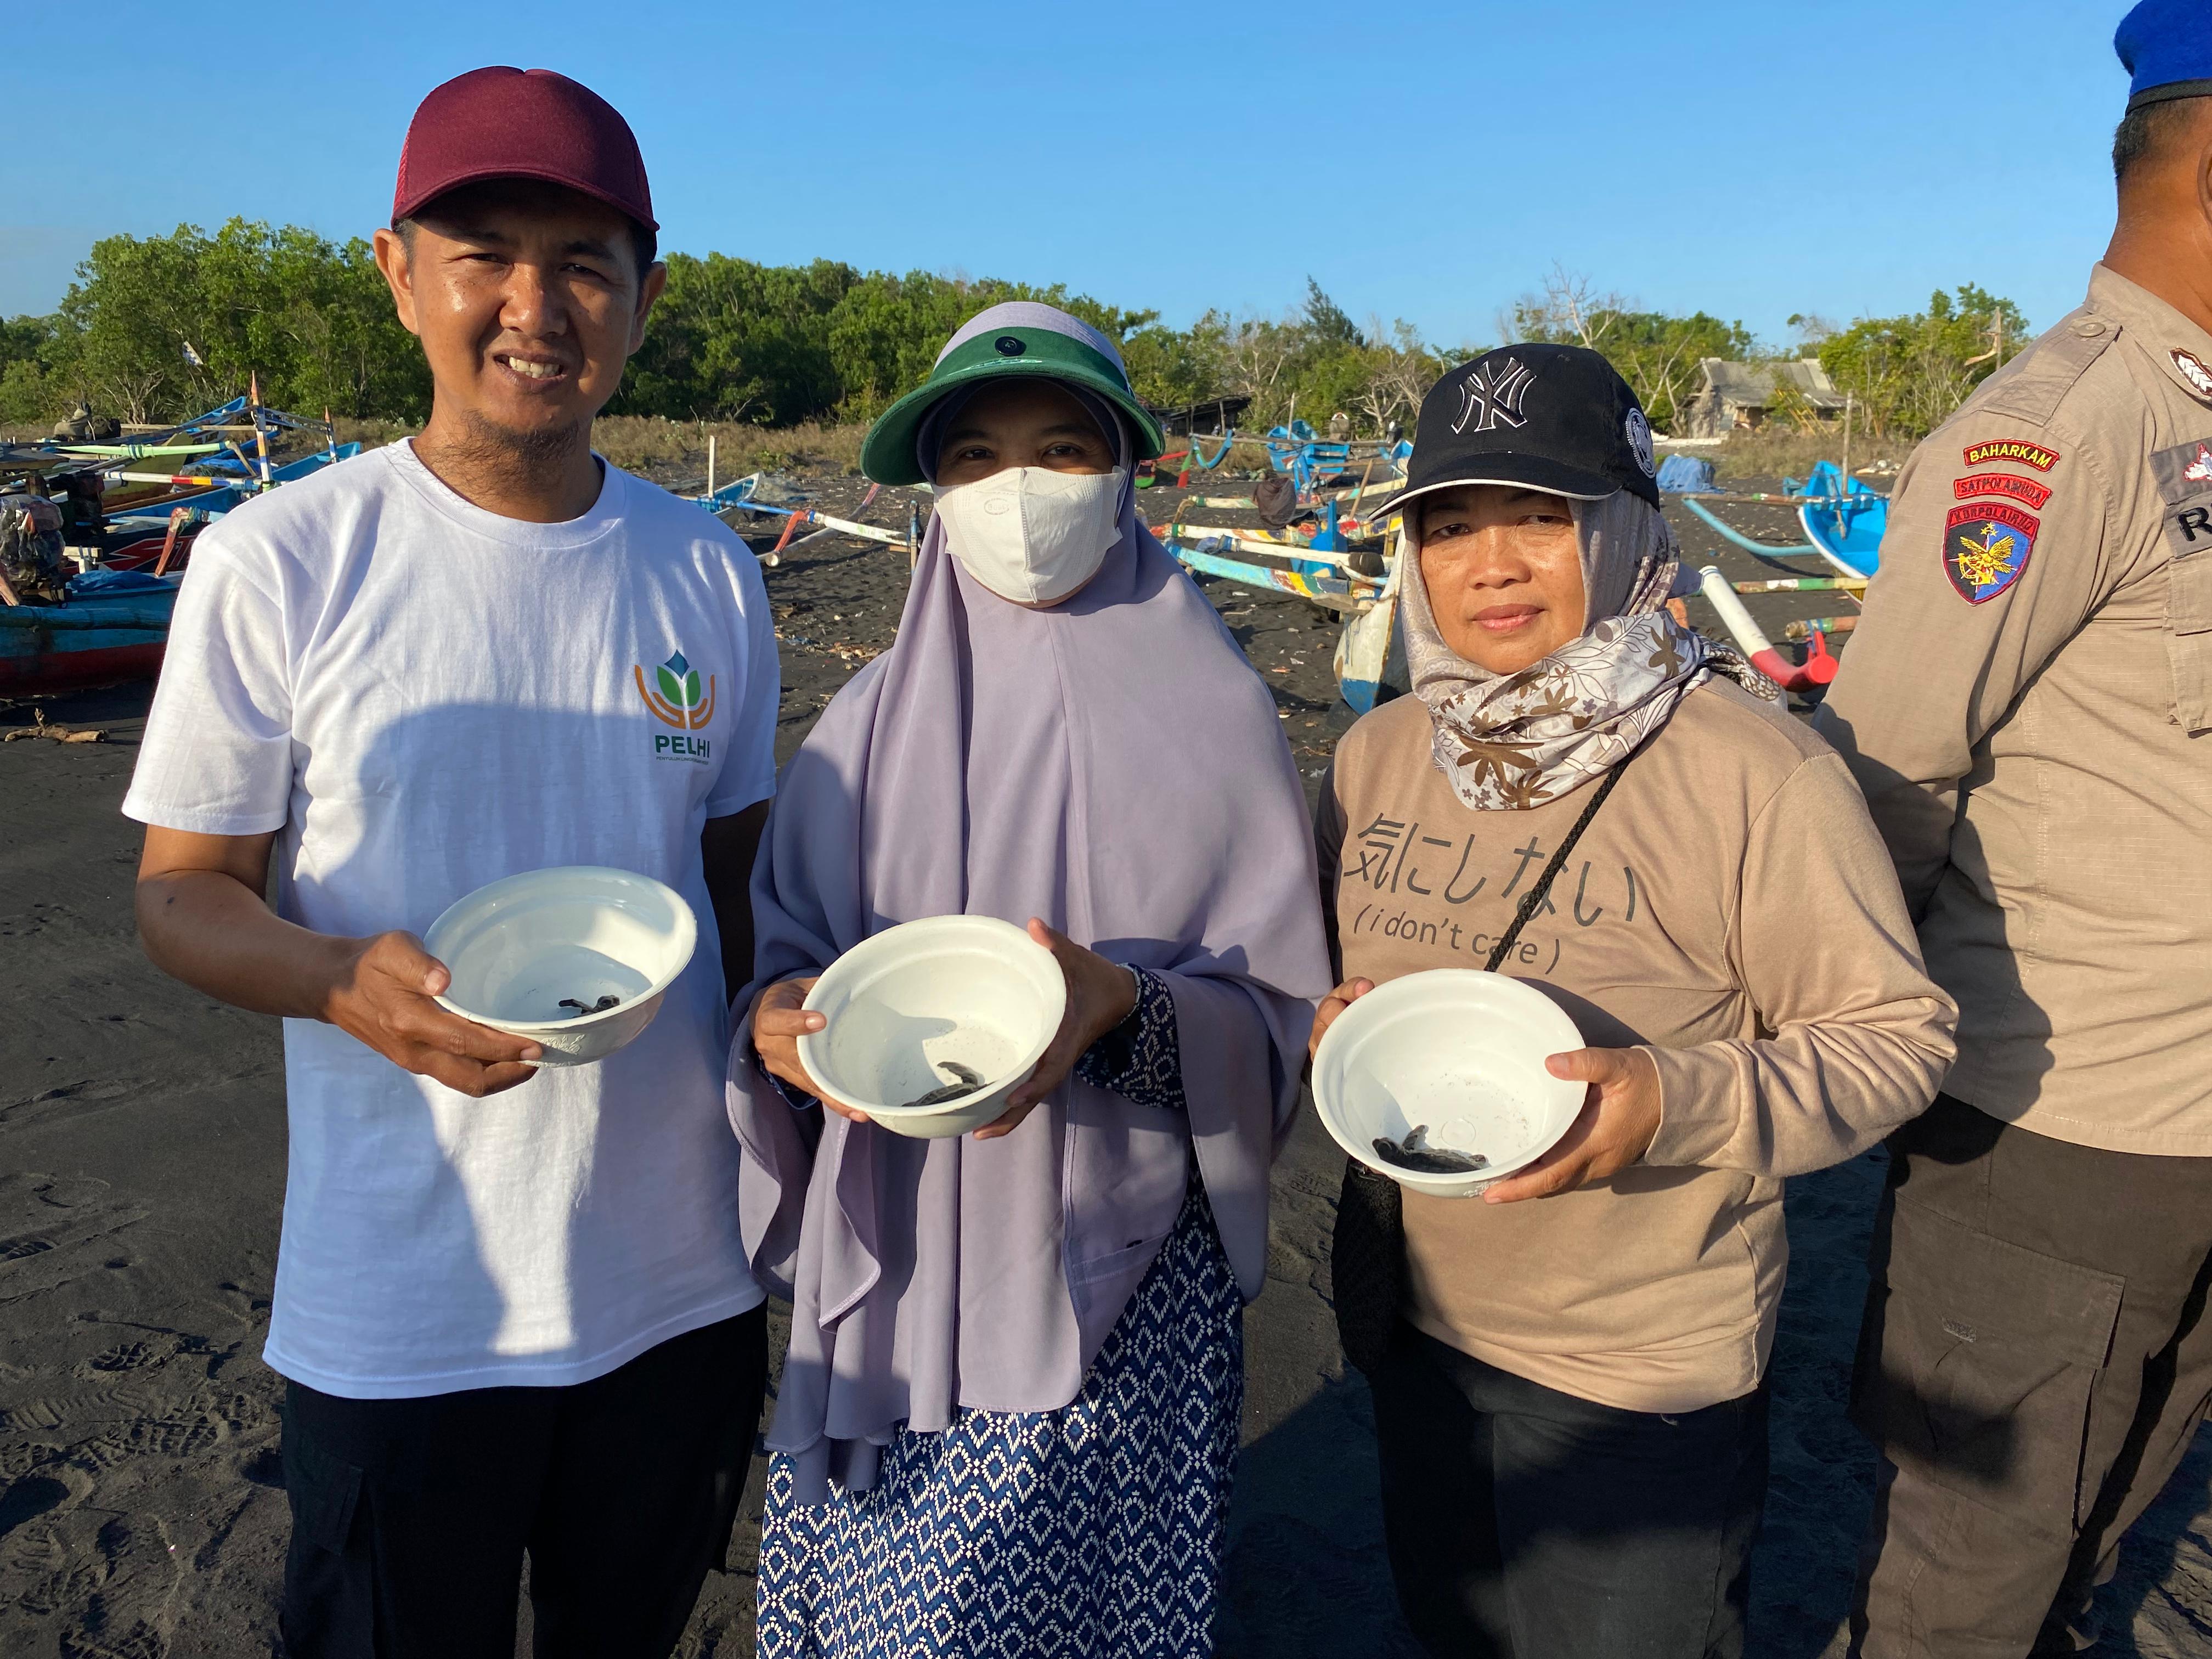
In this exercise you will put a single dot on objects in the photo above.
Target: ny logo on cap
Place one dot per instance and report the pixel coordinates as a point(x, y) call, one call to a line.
point(1491, 398)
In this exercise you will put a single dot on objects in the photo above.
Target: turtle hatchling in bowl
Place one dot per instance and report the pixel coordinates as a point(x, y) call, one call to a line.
point(576, 959)
point(932, 1023)
point(1438, 1079)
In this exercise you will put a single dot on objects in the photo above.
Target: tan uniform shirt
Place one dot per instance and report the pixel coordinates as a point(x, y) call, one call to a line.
point(2027, 705)
point(1731, 907)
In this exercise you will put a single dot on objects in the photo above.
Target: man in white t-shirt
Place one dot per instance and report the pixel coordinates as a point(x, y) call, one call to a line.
point(512, 1305)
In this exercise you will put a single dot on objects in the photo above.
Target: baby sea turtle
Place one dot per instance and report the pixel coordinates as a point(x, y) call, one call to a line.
point(1415, 1154)
point(970, 1080)
point(598, 1007)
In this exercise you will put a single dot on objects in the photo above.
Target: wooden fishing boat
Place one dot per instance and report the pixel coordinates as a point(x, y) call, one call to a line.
point(1844, 520)
point(1346, 565)
point(115, 626)
point(96, 640)
point(1310, 461)
point(165, 554)
point(211, 494)
point(1370, 651)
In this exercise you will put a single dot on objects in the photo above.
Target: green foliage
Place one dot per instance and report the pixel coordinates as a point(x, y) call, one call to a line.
point(28, 395)
point(1656, 352)
point(778, 346)
point(1790, 409)
point(735, 341)
point(1313, 364)
point(1326, 323)
point(1171, 367)
point(312, 319)
point(888, 330)
point(1907, 373)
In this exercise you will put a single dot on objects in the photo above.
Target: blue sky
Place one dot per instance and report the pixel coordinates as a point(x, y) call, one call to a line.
point(1423, 162)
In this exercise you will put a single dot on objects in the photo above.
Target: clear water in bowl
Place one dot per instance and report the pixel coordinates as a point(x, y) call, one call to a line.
point(575, 972)
point(1466, 1111)
point(893, 1058)
point(982, 1050)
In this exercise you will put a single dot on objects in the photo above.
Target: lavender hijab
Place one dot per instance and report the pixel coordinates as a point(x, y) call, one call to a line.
point(1114, 766)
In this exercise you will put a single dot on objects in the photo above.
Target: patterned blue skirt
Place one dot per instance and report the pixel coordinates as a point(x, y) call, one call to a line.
point(1093, 1530)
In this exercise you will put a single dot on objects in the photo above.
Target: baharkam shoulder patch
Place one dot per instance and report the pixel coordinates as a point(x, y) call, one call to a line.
point(2039, 456)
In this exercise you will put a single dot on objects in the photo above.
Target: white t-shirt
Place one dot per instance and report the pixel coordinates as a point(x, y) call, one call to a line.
point(423, 696)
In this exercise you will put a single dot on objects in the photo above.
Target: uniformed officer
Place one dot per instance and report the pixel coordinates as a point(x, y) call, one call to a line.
point(2028, 705)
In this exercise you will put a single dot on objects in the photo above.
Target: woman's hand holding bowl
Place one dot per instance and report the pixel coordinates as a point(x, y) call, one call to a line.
point(1100, 994)
point(1331, 1005)
point(1614, 1129)
point(779, 1021)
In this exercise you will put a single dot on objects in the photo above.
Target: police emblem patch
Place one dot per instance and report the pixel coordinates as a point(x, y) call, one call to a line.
point(1986, 547)
point(2192, 370)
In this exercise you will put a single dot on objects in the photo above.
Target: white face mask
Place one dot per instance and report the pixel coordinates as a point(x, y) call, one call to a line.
point(1032, 535)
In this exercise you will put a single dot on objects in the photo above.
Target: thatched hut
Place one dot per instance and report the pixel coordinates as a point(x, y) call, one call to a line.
point(1734, 396)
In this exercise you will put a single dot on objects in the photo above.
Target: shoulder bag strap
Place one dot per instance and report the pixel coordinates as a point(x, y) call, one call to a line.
point(1534, 896)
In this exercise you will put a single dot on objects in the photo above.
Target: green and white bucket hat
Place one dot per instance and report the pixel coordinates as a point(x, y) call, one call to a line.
point(1019, 337)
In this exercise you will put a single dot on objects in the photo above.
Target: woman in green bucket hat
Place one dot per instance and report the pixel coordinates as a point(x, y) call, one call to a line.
point(1016, 341)
point(1008, 1419)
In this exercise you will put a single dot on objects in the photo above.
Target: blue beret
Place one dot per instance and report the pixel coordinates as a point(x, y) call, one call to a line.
point(2165, 46)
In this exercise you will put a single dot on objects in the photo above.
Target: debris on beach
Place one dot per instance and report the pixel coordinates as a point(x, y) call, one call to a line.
point(39, 728)
point(1415, 1154)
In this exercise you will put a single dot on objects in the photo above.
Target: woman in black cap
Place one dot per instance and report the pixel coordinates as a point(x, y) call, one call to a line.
point(1569, 1395)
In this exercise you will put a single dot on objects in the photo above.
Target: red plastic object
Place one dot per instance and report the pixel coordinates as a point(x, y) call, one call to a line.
point(1783, 672)
point(1820, 666)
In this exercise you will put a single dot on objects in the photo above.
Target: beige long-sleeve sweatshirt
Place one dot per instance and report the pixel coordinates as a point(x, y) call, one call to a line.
point(1732, 910)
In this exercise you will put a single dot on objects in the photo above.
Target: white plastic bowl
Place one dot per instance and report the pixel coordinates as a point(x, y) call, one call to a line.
point(517, 947)
point(1459, 1050)
point(968, 988)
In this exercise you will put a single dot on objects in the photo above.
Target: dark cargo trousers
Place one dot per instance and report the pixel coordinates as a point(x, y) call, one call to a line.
point(2035, 1364)
point(410, 1518)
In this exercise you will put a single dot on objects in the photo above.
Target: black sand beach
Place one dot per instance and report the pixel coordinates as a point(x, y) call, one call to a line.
point(142, 1168)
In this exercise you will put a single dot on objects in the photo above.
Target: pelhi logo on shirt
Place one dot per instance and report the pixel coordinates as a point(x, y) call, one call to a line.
point(678, 701)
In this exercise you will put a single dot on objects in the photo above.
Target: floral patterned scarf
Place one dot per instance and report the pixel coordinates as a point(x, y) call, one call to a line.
point(1518, 740)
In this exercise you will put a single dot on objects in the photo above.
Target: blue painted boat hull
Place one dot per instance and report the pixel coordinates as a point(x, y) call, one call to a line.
point(62, 648)
point(1848, 532)
point(1370, 656)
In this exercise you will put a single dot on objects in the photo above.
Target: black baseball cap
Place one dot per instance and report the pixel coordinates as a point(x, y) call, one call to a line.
point(1556, 418)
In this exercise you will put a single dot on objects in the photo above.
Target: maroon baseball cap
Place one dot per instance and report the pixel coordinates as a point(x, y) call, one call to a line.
point(503, 122)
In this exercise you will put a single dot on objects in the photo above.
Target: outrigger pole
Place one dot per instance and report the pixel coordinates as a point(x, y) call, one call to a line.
point(1817, 669)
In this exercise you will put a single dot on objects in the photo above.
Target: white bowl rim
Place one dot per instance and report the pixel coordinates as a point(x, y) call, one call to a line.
point(1018, 1071)
point(688, 932)
point(1366, 1154)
